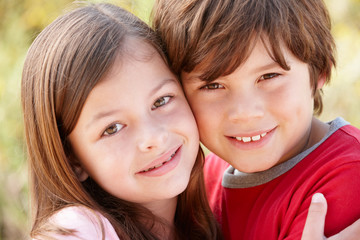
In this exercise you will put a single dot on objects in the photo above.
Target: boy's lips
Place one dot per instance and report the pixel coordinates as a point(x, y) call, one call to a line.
point(163, 159)
point(252, 138)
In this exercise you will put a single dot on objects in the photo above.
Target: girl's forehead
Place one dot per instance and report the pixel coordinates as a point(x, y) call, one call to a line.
point(137, 48)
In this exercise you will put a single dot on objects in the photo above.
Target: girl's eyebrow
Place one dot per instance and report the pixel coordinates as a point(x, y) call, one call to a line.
point(101, 115)
point(157, 87)
point(161, 84)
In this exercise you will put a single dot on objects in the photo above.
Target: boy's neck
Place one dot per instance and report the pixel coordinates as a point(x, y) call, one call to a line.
point(317, 132)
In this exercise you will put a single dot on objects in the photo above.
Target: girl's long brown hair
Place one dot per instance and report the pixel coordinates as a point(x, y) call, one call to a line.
point(62, 66)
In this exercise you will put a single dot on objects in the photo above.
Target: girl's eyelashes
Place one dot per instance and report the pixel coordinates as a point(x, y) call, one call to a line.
point(269, 76)
point(112, 129)
point(161, 102)
point(116, 127)
point(212, 86)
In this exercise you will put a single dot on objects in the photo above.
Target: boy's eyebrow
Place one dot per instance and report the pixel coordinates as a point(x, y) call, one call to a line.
point(266, 67)
point(193, 78)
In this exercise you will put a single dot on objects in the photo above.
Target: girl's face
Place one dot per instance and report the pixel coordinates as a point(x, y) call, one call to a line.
point(136, 135)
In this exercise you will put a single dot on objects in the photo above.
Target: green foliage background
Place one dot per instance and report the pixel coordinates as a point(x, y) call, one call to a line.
point(22, 20)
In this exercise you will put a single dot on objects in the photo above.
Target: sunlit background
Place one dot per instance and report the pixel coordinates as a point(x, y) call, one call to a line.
point(22, 20)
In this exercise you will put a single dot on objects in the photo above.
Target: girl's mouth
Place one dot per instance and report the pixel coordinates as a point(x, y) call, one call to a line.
point(162, 163)
point(159, 165)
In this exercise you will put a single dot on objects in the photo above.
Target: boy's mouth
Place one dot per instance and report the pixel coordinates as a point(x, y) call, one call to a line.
point(251, 139)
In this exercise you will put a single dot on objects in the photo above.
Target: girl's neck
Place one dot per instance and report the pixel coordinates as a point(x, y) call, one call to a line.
point(165, 210)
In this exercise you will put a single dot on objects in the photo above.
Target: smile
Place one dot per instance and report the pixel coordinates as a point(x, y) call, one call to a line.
point(251, 139)
point(160, 164)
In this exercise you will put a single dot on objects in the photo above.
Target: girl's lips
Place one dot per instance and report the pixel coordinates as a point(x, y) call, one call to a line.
point(163, 164)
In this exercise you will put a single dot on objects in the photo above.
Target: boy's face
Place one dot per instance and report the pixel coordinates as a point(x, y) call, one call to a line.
point(256, 117)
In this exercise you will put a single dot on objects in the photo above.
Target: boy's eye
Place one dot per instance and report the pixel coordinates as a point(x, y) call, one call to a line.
point(269, 76)
point(113, 129)
point(212, 86)
point(161, 102)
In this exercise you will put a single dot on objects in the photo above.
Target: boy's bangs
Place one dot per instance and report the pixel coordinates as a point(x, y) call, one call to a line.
point(274, 46)
point(222, 61)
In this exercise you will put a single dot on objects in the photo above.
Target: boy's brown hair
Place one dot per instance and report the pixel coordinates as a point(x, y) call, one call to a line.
point(218, 35)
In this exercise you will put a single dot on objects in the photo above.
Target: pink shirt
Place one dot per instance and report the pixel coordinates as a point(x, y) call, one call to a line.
point(85, 222)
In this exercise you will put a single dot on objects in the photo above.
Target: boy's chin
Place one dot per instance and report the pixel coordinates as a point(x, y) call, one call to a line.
point(252, 169)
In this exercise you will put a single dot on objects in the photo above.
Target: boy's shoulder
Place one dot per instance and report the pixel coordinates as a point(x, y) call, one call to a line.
point(352, 132)
point(339, 146)
point(84, 222)
point(343, 135)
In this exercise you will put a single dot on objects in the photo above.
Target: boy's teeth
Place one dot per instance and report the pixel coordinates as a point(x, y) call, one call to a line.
point(256, 138)
point(249, 139)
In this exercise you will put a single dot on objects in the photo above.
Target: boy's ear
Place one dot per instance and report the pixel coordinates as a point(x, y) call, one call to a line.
point(80, 172)
point(321, 81)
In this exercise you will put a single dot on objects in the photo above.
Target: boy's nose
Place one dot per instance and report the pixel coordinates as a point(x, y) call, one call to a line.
point(151, 136)
point(245, 108)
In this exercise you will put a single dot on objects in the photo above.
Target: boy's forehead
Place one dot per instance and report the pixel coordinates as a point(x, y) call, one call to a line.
point(261, 49)
point(190, 77)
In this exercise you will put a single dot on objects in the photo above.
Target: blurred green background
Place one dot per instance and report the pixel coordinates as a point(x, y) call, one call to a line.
point(22, 20)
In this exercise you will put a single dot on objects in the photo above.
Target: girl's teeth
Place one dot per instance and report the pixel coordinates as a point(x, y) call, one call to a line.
point(246, 139)
point(263, 134)
point(160, 164)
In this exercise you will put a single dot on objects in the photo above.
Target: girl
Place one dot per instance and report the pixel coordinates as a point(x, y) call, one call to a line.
point(112, 142)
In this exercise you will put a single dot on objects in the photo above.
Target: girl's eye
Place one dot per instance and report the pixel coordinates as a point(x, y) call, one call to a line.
point(113, 129)
point(161, 102)
point(212, 86)
point(269, 76)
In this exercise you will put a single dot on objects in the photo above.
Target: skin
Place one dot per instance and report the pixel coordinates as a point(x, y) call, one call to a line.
point(136, 118)
point(258, 116)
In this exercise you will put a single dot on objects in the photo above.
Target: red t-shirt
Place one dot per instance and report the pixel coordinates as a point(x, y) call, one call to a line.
point(274, 204)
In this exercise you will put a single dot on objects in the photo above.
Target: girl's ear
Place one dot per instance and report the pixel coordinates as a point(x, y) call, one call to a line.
point(321, 81)
point(80, 173)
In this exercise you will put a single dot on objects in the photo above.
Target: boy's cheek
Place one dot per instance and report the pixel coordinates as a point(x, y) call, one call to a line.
point(207, 123)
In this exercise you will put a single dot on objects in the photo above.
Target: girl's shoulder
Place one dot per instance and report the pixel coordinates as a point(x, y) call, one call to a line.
point(82, 223)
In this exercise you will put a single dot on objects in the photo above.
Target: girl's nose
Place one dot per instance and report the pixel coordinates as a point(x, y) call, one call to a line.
point(152, 136)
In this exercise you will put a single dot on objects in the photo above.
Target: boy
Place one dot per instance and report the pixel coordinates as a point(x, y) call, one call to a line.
point(252, 71)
